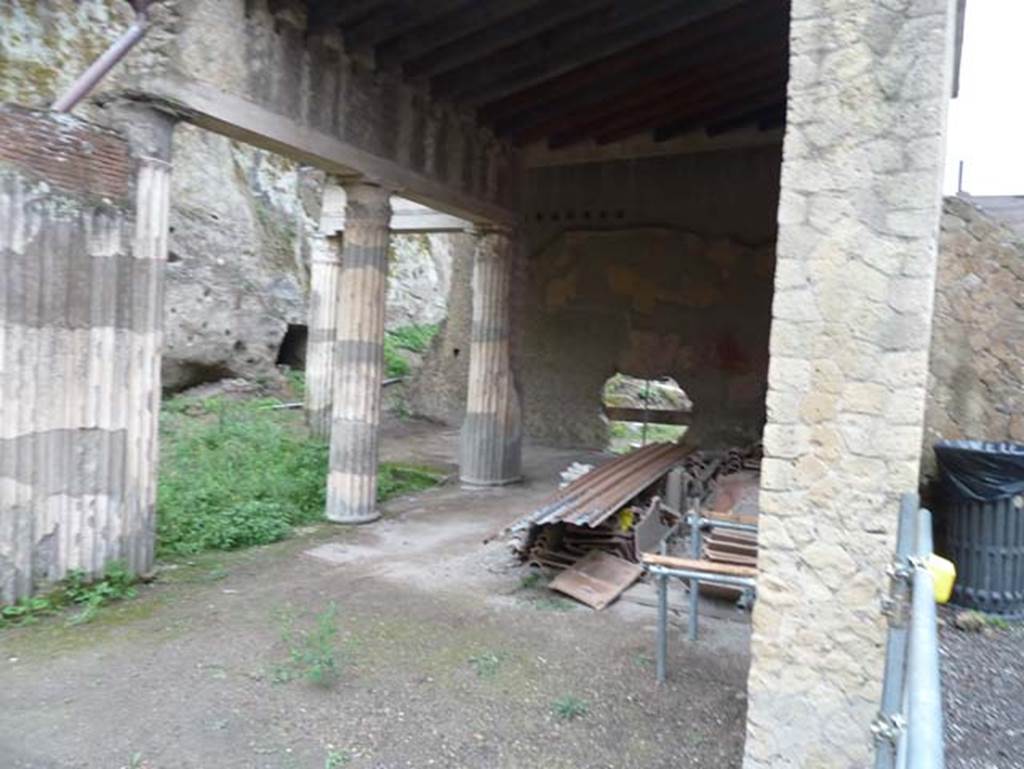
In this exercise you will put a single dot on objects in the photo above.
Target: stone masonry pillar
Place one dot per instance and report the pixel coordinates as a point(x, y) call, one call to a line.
point(491, 440)
point(359, 351)
point(323, 325)
point(83, 243)
point(856, 254)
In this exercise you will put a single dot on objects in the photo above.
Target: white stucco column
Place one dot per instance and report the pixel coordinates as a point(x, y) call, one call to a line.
point(325, 275)
point(856, 255)
point(359, 356)
point(491, 439)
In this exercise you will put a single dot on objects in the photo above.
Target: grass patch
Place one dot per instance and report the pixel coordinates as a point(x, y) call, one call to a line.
point(569, 708)
point(313, 653)
point(236, 473)
point(76, 591)
point(414, 338)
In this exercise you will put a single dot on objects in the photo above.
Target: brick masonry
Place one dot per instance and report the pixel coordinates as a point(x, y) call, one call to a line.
point(856, 257)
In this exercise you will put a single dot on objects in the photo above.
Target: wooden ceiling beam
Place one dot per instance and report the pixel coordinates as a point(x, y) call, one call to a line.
point(749, 117)
point(395, 20)
point(517, 30)
point(771, 94)
point(684, 96)
point(708, 106)
point(699, 65)
point(693, 84)
point(657, 54)
point(471, 20)
point(568, 47)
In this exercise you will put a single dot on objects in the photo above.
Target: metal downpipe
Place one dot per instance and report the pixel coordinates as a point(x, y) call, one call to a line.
point(83, 86)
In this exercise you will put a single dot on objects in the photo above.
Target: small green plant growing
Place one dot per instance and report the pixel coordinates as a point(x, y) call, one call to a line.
point(532, 580)
point(75, 590)
point(569, 708)
point(337, 759)
point(486, 664)
point(313, 653)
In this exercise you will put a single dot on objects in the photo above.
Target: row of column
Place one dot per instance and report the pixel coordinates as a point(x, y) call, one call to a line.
point(345, 358)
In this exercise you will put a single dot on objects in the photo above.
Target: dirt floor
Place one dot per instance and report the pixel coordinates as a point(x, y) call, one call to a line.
point(983, 695)
point(446, 659)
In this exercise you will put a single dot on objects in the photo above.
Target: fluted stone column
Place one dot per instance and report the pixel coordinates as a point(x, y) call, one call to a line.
point(323, 323)
point(856, 256)
point(83, 242)
point(491, 440)
point(359, 351)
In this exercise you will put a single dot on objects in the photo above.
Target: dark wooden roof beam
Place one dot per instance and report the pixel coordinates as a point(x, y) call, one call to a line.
point(696, 73)
point(687, 97)
point(441, 30)
point(713, 106)
point(570, 46)
point(671, 127)
point(757, 116)
point(645, 58)
point(394, 21)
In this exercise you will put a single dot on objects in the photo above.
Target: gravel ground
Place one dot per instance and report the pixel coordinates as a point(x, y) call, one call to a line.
point(983, 695)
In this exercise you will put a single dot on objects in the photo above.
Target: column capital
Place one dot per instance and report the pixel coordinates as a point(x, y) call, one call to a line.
point(366, 202)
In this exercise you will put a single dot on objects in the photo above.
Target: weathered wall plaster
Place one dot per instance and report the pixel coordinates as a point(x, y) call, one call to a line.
point(82, 246)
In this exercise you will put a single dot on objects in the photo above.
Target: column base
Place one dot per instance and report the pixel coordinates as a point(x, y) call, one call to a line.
point(355, 520)
point(479, 483)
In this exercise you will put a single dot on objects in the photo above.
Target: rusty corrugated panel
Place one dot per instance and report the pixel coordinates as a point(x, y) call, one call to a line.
point(594, 497)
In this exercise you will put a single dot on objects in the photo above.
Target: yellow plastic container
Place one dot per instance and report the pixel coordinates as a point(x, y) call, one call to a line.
point(943, 576)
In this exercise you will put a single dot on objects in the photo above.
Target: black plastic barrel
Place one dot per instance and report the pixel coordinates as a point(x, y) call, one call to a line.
point(982, 507)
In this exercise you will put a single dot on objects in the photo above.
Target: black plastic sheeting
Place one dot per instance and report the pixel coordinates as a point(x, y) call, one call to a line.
point(981, 471)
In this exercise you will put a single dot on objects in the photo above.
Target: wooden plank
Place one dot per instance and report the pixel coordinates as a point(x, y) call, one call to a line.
point(652, 416)
point(672, 562)
point(597, 579)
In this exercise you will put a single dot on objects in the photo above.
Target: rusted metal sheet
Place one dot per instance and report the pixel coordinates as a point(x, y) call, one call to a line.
point(594, 497)
point(597, 579)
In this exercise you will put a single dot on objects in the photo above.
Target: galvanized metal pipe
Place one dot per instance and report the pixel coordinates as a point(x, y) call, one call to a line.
point(99, 68)
point(695, 553)
point(924, 702)
point(896, 642)
point(662, 641)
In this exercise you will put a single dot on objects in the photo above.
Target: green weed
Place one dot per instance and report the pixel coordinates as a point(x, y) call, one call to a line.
point(76, 590)
point(532, 580)
point(337, 759)
point(569, 708)
point(235, 474)
point(414, 338)
point(313, 653)
point(486, 664)
point(553, 603)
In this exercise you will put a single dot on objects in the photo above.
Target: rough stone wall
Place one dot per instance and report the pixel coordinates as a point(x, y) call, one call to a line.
point(976, 379)
point(650, 268)
point(242, 219)
point(854, 281)
point(82, 247)
point(439, 388)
